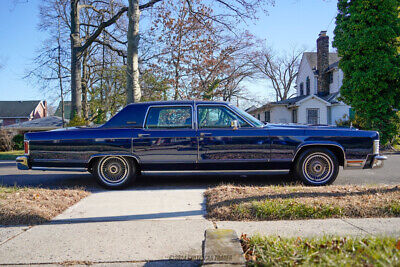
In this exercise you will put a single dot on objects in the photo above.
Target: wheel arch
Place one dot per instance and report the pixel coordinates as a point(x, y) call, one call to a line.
point(92, 160)
point(336, 149)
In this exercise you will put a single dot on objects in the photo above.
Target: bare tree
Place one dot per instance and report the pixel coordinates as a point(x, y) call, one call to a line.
point(230, 12)
point(80, 45)
point(280, 70)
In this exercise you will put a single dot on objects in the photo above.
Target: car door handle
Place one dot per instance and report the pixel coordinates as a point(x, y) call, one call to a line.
point(143, 135)
point(205, 134)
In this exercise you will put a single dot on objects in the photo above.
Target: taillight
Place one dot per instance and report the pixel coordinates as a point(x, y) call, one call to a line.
point(26, 147)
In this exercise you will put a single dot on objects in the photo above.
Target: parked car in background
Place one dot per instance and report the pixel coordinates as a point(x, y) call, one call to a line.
point(199, 136)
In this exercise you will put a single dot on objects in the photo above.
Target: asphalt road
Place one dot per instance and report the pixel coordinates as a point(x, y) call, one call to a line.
point(9, 176)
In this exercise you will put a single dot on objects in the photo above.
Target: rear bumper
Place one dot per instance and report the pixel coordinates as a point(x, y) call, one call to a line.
point(22, 163)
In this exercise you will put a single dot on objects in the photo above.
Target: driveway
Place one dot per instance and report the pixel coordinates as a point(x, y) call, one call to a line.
point(159, 220)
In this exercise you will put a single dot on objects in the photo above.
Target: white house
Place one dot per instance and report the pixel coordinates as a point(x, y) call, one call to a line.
point(318, 83)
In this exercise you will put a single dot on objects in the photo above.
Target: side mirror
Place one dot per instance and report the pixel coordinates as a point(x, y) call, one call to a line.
point(235, 124)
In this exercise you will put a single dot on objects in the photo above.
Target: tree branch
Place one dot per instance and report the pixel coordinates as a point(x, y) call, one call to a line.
point(101, 27)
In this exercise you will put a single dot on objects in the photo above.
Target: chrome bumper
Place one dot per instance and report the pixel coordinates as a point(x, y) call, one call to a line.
point(377, 161)
point(22, 163)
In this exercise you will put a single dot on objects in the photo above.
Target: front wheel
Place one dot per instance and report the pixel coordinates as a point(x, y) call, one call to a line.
point(114, 172)
point(317, 166)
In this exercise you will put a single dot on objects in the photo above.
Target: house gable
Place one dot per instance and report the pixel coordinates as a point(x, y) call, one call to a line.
point(305, 71)
point(312, 97)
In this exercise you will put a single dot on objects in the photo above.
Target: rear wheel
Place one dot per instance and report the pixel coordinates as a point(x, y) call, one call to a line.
point(317, 166)
point(114, 172)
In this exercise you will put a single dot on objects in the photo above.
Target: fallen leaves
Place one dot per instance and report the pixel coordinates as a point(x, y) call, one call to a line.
point(35, 205)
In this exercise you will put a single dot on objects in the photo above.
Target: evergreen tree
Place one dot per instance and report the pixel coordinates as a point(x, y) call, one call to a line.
point(366, 36)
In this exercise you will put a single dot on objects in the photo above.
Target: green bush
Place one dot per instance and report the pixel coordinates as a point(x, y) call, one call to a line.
point(77, 121)
point(18, 141)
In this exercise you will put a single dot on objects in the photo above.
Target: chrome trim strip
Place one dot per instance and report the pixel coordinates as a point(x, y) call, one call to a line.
point(105, 138)
point(319, 144)
point(216, 171)
point(59, 169)
point(120, 155)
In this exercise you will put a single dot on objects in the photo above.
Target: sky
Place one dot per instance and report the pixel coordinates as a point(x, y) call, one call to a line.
point(288, 24)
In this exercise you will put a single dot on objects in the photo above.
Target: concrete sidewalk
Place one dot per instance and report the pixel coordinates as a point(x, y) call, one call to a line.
point(311, 228)
point(150, 226)
point(133, 226)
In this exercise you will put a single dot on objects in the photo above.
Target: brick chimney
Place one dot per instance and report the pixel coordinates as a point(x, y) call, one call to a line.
point(323, 63)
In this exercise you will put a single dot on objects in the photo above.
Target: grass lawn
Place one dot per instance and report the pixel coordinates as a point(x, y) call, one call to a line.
point(11, 155)
point(227, 202)
point(35, 205)
point(325, 251)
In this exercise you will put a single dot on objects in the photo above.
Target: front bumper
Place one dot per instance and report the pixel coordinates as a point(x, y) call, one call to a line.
point(374, 162)
point(22, 163)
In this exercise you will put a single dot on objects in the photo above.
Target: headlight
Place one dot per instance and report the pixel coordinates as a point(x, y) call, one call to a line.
point(376, 147)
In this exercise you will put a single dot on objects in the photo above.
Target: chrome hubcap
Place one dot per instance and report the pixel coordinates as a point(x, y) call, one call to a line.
point(113, 170)
point(318, 167)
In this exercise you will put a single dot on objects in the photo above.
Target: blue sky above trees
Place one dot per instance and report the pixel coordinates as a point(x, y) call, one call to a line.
point(290, 23)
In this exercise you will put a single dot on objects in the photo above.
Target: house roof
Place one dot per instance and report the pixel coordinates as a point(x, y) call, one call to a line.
point(250, 109)
point(67, 110)
point(331, 98)
point(17, 109)
point(312, 59)
point(289, 101)
point(45, 123)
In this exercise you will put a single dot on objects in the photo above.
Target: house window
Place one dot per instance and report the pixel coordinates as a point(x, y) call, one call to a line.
point(330, 77)
point(294, 115)
point(259, 116)
point(302, 89)
point(267, 115)
point(308, 85)
point(17, 120)
point(313, 115)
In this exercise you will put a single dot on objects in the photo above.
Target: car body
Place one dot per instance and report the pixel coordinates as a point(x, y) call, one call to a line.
point(198, 136)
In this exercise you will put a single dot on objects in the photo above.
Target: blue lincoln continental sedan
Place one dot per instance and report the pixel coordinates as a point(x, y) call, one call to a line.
point(199, 136)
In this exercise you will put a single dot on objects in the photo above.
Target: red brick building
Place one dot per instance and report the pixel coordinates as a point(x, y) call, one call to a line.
point(19, 111)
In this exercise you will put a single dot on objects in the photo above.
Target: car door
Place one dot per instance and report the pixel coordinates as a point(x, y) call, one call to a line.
point(223, 147)
point(168, 139)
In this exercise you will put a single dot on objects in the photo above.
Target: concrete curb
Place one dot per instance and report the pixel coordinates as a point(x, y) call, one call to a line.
point(222, 247)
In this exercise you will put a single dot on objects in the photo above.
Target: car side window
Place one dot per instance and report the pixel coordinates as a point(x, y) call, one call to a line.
point(169, 118)
point(217, 117)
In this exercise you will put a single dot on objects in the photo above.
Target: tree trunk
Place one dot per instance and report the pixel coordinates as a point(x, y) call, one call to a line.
point(76, 89)
point(133, 91)
point(85, 80)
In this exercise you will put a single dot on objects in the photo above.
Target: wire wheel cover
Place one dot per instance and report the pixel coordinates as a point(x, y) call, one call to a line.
point(318, 167)
point(113, 170)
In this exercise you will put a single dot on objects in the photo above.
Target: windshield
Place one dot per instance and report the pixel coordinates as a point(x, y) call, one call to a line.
point(247, 116)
